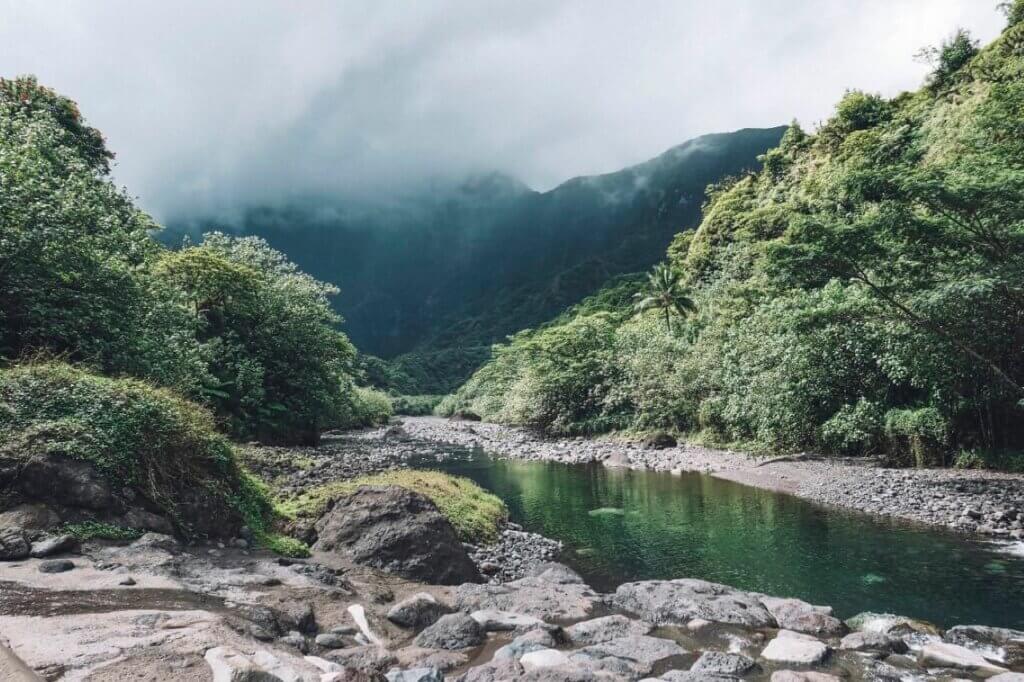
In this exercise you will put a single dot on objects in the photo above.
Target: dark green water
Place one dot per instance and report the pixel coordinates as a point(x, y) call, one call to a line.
point(656, 525)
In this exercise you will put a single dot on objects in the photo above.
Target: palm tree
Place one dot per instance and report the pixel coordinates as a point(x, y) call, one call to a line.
point(664, 290)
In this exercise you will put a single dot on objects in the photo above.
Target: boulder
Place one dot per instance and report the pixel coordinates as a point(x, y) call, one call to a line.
point(676, 602)
point(555, 572)
point(534, 640)
point(159, 541)
point(873, 642)
point(606, 628)
point(628, 657)
point(417, 611)
point(418, 657)
point(798, 615)
point(720, 663)
point(543, 658)
point(330, 640)
point(398, 531)
point(660, 441)
point(231, 665)
point(56, 566)
point(54, 545)
point(946, 655)
point(31, 518)
point(65, 481)
point(1007, 677)
point(492, 620)
point(688, 676)
point(416, 675)
point(802, 676)
point(537, 597)
point(453, 631)
point(369, 660)
point(890, 624)
point(795, 647)
point(1000, 645)
point(14, 544)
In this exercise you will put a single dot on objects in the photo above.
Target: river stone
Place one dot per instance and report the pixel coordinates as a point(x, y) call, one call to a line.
point(230, 665)
point(555, 572)
point(630, 657)
point(13, 544)
point(398, 531)
point(543, 658)
point(719, 663)
point(946, 655)
point(795, 647)
point(56, 566)
point(418, 657)
point(803, 676)
point(495, 671)
point(890, 624)
point(535, 597)
point(534, 640)
point(452, 631)
point(606, 628)
point(330, 640)
point(1001, 645)
point(54, 545)
point(798, 615)
point(503, 621)
point(1007, 677)
point(368, 659)
point(417, 611)
point(31, 518)
point(874, 642)
point(416, 675)
point(676, 602)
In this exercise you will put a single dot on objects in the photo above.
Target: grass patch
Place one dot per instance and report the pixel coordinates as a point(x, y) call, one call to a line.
point(474, 513)
point(88, 530)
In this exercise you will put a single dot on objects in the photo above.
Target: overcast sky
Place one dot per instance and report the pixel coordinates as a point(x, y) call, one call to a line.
point(215, 104)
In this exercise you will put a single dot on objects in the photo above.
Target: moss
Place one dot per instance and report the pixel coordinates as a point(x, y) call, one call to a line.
point(474, 513)
point(89, 530)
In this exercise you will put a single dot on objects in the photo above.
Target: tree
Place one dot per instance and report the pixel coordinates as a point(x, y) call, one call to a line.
point(664, 291)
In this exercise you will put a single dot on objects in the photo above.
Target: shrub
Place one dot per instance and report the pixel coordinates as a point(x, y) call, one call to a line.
point(923, 432)
point(415, 405)
point(369, 407)
point(161, 446)
point(475, 513)
point(854, 429)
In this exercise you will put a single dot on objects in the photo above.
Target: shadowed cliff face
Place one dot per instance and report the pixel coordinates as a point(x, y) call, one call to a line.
point(465, 265)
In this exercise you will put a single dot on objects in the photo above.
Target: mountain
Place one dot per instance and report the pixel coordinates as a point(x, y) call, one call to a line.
point(463, 265)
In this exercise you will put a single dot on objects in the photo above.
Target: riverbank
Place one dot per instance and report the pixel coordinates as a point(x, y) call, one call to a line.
point(989, 504)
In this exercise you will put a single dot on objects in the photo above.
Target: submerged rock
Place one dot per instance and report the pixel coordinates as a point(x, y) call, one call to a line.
point(398, 531)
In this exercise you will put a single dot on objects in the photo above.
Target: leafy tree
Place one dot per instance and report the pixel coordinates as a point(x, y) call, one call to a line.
point(665, 292)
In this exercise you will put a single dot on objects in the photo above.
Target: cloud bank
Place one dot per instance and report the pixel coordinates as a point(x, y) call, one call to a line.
point(213, 105)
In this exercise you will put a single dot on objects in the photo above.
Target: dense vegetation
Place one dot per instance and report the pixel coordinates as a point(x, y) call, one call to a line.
point(229, 323)
point(437, 274)
point(861, 294)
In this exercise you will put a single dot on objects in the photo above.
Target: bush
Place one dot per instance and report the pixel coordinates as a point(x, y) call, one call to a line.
point(854, 429)
point(923, 432)
point(368, 407)
point(475, 513)
point(998, 460)
point(415, 405)
point(136, 436)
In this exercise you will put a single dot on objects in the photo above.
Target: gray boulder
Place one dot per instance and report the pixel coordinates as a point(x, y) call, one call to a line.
point(796, 648)
point(13, 544)
point(56, 566)
point(54, 545)
point(537, 597)
point(416, 675)
point(606, 628)
point(629, 657)
point(798, 615)
point(676, 602)
point(504, 621)
point(946, 655)
point(555, 572)
point(31, 518)
point(453, 631)
point(720, 663)
point(417, 611)
point(873, 642)
point(398, 531)
point(1001, 645)
point(534, 640)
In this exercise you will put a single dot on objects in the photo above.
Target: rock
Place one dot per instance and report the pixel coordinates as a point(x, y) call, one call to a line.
point(946, 655)
point(660, 441)
point(798, 615)
point(890, 624)
point(30, 518)
point(295, 640)
point(719, 663)
point(398, 531)
point(329, 640)
point(676, 602)
point(795, 647)
point(534, 640)
point(289, 614)
point(68, 482)
point(452, 631)
point(537, 597)
point(417, 611)
point(498, 621)
point(418, 657)
point(1000, 645)
point(629, 657)
point(687, 676)
point(802, 676)
point(606, 628)
point(543, 658)
point(873, 642)
point(127, 582)
point(495, 671)
point(465, 416)
point(416, 675)
point(157, 541)
point(13, 544)
point(1007, 677)
point(230, 665)
point(56, 566)
point(369, 659)
point(554, 572)
point(54, 545)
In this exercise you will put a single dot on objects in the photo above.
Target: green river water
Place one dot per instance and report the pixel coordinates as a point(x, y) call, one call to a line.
point(620, 525)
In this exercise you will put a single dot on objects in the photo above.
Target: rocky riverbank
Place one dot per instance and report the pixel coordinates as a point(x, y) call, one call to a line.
point(988, 503)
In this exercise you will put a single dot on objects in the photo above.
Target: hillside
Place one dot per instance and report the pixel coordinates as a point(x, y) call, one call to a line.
point(861, 294)
point(462, 266)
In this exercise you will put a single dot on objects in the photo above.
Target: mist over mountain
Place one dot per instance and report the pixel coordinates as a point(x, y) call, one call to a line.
point(461, 265)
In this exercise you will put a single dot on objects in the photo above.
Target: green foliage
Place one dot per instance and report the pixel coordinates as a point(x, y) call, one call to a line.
point(475, 513)
point(665, 292)
point(859, 295)
point(368, 407)
point(950, 57)
point(415, 405)
point(135, 435)
point(88, 530)
point(999, 460)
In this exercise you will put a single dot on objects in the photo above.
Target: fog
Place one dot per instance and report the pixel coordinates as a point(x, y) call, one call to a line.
point(212, 106)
